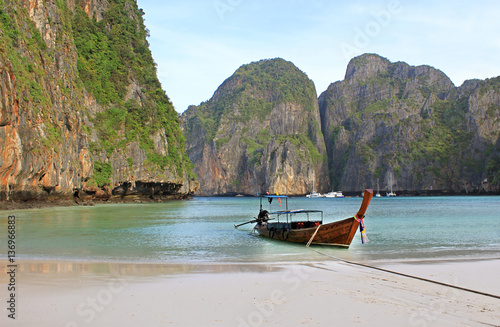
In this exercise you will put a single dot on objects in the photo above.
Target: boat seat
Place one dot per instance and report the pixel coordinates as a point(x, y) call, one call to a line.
point(305, 224)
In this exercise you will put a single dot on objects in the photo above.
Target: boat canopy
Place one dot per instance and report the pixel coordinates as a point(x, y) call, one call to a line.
point(275, 196)
point(289, 214)
point(285, 212)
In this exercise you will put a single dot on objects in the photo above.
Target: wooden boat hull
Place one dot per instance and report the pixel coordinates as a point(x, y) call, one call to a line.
point(339, 233)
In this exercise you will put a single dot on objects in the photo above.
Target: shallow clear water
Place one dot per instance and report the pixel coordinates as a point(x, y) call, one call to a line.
point(202, 230)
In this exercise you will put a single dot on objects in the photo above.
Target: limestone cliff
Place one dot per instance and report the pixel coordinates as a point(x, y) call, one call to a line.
point(81, 108)
point(390, 124)
point(260, 131)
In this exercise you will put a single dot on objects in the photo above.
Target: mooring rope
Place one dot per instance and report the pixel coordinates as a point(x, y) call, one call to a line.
point(409, 276)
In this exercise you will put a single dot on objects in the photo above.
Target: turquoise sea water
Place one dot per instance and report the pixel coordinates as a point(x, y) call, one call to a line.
point(202, 230)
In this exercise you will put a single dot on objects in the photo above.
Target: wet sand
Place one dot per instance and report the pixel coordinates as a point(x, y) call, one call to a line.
point(310, 294)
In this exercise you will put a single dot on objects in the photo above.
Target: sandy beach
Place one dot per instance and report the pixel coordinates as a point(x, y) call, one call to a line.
point(328, 293)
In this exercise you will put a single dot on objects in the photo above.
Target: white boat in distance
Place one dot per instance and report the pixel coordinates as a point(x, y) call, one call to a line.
point(391, 183)
point(328, 195)
point(334, 194)
point(314, 195)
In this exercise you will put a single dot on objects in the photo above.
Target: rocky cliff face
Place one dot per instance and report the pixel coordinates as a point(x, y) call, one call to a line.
point(59, 135)
point(390, 124)
point(260, 131)
point(386, 125)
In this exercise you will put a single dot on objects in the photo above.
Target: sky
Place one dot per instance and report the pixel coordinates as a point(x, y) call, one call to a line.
point(197, 44)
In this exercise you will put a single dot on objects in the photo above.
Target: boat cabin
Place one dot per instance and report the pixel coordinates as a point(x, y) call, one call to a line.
point(289, 219)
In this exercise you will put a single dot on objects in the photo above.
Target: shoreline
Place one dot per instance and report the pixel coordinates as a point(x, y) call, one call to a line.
point(6, 205)
point(67, 202)
point(178, 267)
point(205, 265)
point(282, 294)
point(468, 269)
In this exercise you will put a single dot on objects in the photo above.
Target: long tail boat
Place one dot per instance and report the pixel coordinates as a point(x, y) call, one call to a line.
point(306, 226)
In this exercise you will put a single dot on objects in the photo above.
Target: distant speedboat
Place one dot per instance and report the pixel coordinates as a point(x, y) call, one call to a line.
point(334, 194)
point(314, 195)
point(391, 194)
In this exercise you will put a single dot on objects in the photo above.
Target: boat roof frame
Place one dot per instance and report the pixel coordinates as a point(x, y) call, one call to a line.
point(282, 212)
point(288, 213)
point(276, 196)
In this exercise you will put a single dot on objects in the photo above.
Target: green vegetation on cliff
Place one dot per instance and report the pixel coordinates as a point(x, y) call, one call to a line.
point(444, 142)
point(280, 81)
point(112, 52)
point(82, 102)
point(102, 173)
point(17, 31)
point(253, 91)
point(493, 170)
point(112, 49)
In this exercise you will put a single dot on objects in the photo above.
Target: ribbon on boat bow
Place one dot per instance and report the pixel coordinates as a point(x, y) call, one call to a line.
point(361, 221)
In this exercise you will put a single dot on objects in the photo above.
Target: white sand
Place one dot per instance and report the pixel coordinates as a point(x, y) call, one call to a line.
point(318, 294)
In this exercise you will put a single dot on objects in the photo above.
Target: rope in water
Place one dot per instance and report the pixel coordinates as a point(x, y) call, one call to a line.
point(409, 276)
